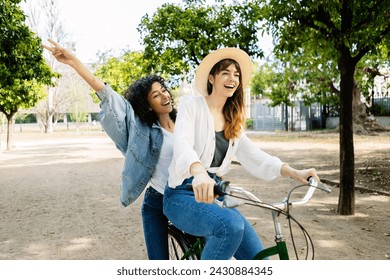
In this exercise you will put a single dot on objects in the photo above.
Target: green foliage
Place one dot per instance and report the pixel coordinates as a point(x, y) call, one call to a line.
point(314, 35)
point(346, 24)
point(316, 77)
point(341, 33)
point(275, 82)
point(23, 70)
point(249, 123)
point(123, 71)
point(370, 67)
point(176, 37)
point(25, 118)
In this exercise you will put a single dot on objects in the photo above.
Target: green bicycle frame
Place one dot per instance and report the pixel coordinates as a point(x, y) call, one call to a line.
point(195, 249)
point(280, 248)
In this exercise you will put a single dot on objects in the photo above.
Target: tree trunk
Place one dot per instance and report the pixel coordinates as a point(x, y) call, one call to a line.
point(362, 123)
point(286, 116)
point(49, 111)
point(346, 205)
point(10, 126)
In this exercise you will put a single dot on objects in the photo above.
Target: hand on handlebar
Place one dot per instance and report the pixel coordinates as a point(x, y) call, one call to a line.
point(304, 174)
point(203, 187)
point(299, 175)
point(314, 183)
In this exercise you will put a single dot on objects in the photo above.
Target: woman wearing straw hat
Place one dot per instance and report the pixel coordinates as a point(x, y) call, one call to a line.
point(208, 134)
point(141, 125)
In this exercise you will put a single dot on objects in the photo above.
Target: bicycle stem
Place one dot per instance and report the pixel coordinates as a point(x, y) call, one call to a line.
point(278, 230)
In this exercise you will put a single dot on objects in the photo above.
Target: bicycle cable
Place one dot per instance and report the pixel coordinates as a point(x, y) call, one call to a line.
point(286, 213)
point(304, 232)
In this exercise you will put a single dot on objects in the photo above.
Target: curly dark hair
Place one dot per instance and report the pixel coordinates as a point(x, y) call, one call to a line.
point(137, 95)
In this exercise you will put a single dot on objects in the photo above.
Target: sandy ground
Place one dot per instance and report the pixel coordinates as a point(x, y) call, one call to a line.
point(59, 199)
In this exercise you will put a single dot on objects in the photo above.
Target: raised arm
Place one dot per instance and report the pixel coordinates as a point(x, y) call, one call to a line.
point(67, 57)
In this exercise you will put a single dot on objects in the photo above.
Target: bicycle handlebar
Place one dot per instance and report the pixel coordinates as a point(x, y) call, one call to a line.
point(313, 182)
point(230, 193)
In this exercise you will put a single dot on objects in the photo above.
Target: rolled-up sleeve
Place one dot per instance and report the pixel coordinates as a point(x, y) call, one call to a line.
point(257, 162)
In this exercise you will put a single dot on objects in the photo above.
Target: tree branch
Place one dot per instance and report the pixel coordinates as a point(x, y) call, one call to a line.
point(368, 15)
point(377, 40)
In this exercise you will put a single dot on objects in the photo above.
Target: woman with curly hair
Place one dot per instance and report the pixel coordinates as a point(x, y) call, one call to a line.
point(141, 125)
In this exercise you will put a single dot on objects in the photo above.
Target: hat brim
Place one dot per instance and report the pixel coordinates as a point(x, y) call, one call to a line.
point(203, 71)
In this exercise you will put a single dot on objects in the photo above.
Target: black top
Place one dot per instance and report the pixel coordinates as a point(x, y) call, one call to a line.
point(221, 147)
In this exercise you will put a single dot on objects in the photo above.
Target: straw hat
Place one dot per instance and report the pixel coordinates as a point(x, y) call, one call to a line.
point(203, 71)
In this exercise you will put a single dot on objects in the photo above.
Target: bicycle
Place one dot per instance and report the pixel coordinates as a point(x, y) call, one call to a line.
point(183, 246)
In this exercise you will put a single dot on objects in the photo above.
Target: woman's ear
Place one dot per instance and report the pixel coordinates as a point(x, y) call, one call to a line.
point(211, 79)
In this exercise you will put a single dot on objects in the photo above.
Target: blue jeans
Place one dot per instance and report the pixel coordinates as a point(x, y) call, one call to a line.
point(155, 225)
point(226, 230)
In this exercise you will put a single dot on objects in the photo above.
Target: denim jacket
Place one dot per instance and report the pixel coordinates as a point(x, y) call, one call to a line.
point(139, 143)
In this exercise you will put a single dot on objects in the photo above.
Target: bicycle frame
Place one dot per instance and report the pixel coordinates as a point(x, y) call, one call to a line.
point(230, 200)
point(196, 249)
point(190, 246)
point(280, 248)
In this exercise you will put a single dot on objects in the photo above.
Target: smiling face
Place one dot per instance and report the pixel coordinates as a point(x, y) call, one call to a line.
point(159, 99)
point(225, 82)
point(224, 78)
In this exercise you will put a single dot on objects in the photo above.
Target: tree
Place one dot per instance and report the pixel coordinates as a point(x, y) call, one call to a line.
point(177, 38)
point(371, 68)
point(277, 82)
point(23, 70)
point(44, 17)
point(347, 30)
point(120, 71)
point(321, 79)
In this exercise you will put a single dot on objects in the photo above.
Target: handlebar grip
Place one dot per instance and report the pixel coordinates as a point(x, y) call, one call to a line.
point(219, 188)
point(313, 182)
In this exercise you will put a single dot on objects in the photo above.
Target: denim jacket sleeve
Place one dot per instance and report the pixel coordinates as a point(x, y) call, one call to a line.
point(113, 116)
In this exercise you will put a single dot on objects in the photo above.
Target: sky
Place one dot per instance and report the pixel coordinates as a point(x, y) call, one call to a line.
point(102, 25)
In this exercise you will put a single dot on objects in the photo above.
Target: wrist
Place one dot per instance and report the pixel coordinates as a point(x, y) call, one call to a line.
point(197, 169)
point(288, 171)
point(76, 63)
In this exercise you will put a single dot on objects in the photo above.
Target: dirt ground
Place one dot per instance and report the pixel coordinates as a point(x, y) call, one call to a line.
point(59, 198)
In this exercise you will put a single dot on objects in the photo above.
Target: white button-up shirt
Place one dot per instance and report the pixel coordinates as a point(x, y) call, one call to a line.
point(194, 141)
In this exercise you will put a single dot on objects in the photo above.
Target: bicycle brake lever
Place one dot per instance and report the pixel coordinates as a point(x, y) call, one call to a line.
point(313, 182)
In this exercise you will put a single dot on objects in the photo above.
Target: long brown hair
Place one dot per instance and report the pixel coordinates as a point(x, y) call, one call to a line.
point(234, 108)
